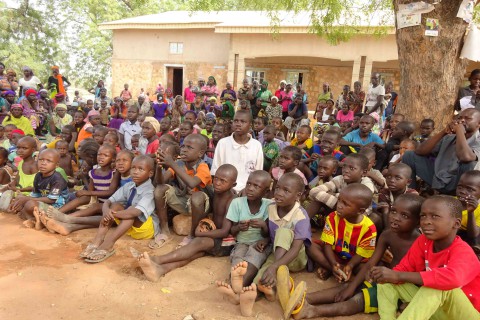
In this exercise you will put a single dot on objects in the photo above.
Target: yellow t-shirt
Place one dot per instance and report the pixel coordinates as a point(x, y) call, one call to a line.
point(465, 218)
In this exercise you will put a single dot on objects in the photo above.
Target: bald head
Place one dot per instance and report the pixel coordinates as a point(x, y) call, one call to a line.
point(227, 170)
point(358, 192)
point(147, 161)
point(51, 153)
point(29, 141)
point(291, 178)
point(198, 140)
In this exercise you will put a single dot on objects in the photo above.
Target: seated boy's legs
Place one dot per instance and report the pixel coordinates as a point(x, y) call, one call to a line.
point(255, 259)
point(315, 252)
point(421, 166)
point(27, 213)
point(161, 208)
point(72, 205)
point(92, 210)
point(197, 205)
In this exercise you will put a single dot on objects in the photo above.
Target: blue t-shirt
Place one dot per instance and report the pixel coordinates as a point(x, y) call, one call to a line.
point(354, 137)
point(300, 111)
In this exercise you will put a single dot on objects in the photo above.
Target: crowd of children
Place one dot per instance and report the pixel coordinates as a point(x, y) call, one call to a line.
point(392, 216)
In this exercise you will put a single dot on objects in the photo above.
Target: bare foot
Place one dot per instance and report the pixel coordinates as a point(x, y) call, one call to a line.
point(323, 274)
point(55, 214)
point(268, 291)
point(236, 276)
point(38, 223)
point(43, 219)
point(30, 224)
point(305, 312)
point(247, 299)
point(55, 226)
point(152, 271)
point(227, 292)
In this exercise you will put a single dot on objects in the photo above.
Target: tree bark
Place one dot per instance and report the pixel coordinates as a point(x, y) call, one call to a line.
point(430, 68)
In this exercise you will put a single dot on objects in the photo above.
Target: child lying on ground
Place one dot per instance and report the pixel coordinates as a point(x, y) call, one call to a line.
point(208, 240)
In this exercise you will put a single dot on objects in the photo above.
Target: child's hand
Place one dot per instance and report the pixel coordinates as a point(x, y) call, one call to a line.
point(348, 271)
point(261, 244)
point(383, 275)
point(471, 203)
point(243, 225)
point(338, 273)
point(269, 277)
point(314, 156)
point(257, 223)
point(383, 208)
point(165, 159)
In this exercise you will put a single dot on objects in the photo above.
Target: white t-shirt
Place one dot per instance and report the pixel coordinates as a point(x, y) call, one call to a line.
point(372, 95)
point(30, 84)
point(245, 157)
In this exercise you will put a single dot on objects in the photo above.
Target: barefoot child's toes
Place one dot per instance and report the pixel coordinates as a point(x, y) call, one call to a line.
point(152, 271)
point(38, 223)
point(268, 291)
point(247, 299)
point(30, 224)
point(236, 276)
point(226, 290)
point(323, 274)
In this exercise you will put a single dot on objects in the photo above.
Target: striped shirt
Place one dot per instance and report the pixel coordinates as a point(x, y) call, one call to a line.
point(348, 239)
point(101, 183)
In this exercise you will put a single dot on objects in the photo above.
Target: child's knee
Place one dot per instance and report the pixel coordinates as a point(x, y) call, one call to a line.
point(160, 192)
point(30, 205)
point(198, 200)
point(117, 207)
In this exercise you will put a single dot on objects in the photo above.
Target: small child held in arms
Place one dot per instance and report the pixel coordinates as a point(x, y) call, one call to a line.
point(440, 274)
point(359, 295)
point(48, 187)
point(185, 187)
point(348, 236)
point(426, 128)
point(290, 236)
point(288, 161)
point(405, 145)
point(271, 149)
point(468, 192)
point(212, 236)
point(247, 217)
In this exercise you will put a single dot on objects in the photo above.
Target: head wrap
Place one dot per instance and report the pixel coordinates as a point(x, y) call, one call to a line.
point(26, 68)
point(29, 92)
point(6, 93)
point(61, 106)
point(10, 71)
point(42, 90)
point(59, 95)
point(19, 131)
point(55, 68)
point(154, 122)
point(169, 92)
point(212, 99)
point(213, 78)
point(274, 97)
point(283, 81)
point(91, 113)
point(17, 105)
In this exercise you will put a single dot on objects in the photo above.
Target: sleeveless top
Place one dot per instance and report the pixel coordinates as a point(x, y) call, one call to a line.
point(101, 183)
point(25, 180)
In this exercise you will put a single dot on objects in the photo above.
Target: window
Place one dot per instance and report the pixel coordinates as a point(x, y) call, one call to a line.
point(255, 75)
point(176, 47)
point(294, 77)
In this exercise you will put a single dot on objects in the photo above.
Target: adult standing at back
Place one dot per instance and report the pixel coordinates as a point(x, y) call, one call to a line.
point(60, 82)
point(358, 96)
point(285, 99)
point(375, 95)
point(29, 81)
point(456, 150)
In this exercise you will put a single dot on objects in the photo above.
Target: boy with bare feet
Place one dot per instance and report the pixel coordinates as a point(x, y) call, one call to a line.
point(209, 234)
point(185, 186)
point(289, 229)
point(360, 295)
point(48, 187)
point(348, 236)
point(248, 215)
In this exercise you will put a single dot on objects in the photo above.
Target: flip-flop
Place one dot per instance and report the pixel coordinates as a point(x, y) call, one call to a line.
point(106, 254)
point(297, 297)
point(88, 250)
point(283, 281)
point(153, 244)
point(184, 242)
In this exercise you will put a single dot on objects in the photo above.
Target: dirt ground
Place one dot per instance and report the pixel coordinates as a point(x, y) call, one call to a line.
point(42, 277)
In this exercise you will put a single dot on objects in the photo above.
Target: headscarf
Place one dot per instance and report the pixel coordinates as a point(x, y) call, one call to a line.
point(154, 122)
point(19, 131)
point(59, 95)
point(91, 113)
point(61, 106)
point(59, 77)
point(262, 90)
point(29, 92)
point(17, 105)
point(42, 90)
point(212, 99)
point(61, 122)
point(6, 93)
point(283, 81)
point(213, 78)
point(10, 71)
point(26, 68)
point(168, 93)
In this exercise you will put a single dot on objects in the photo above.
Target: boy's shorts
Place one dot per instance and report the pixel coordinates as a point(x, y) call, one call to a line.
point(182, 204)
point(247, 252)
point(145, 231)
point(220, 248)
point(369, 291)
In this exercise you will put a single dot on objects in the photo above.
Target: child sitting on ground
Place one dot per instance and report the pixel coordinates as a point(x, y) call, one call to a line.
point(270, 147)
point(326, 167)
point(123, 163)
point(324, 197)
point(8, 135)
point(99, 133)
point(468, 192)
point(405, 145)
point(248, 216)
point(103, 183)
point(210, 235)
point(440, 274)
point(302, 139)
point(186, 129)
point(148, 143)
point(348, 235)
point(48, 187)
point(67, 161)
point(358, 296)
point(87, 152)
point(289, 229)
point(217, 134)
point(372, 173)
point(288, 161)
point(426, 128)
point(27, 168)
point(185, 187)
point(277, 122)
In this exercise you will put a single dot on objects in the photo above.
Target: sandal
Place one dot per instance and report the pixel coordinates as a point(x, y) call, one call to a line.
point(103, 254)
point(184, 242)
point(88, 250)
point(296, 301)
point(283, 281)
point(159, 241)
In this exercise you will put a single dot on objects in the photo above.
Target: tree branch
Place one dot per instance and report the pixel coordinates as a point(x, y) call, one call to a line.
point(127, 4)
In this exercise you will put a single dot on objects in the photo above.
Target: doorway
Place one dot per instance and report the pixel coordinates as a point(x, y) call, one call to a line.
point(175, 80)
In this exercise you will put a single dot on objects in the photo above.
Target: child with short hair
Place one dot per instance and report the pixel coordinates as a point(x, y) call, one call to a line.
point(8, 135)
point(3, 138)
point(271, 149)
point(104, 112)
point(186, 186)
point(426, 128)
point(67, 161)
point(288, 161)
point(165, 125)
point(372, 173)
point(191, 116)
point(360, 295)
point(348, 235)
point(27, 167)
point(302, 139)
point(112, 139)
point(468, 192)
point(123, 163)
point(405, 145)
point(16, 134)
point(129, 128)
point(327, 145)
point(99, 133)
point(279, 128)
point(440, 274)
point(289, 240)
point(185, 129)
point(48, 187)
point(258, 127)
point(217, 134)
point(397, 181)
point(135, 140)
point(209, 124)
point(326, 167)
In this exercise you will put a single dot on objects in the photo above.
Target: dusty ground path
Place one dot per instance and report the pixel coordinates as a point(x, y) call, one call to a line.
point(41, 277)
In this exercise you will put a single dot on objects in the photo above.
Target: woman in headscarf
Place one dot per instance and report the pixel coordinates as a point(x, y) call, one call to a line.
point(358, 97)
point(10, 99)
point(228, 94)
point(264, 95)
point(17, 118)
point(30, 108)
point(324, 95)
point(169, 96)
point(57, 83)
point(92, 119)
point(148, 143)
point(189, 94)
point(29, 81)
point(210, 89)
point(245, 93)
point(178, 107)
point(59, 119)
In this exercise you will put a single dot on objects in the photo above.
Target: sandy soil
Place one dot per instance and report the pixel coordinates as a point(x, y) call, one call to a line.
point(42, 277)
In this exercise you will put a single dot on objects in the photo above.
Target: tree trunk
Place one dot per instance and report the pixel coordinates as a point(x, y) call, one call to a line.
point(430, 68)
